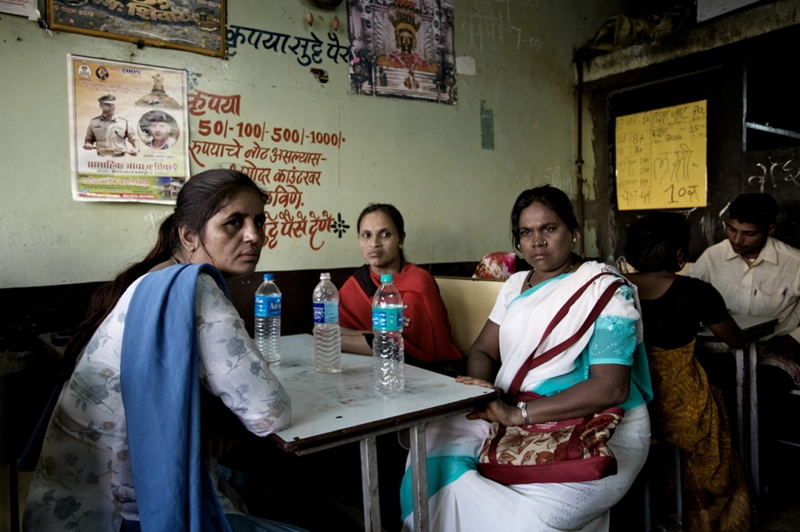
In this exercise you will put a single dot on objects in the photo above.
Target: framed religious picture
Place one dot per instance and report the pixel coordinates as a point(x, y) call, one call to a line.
point(403, 49)
point(192, 25)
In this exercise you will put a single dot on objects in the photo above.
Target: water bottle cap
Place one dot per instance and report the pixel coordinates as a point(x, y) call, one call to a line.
point(387, 278)
point(268, 277)
point(325, 276)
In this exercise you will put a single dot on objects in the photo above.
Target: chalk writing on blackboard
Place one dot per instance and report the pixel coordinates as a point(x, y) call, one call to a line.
point(774, 173)
point(661, 158)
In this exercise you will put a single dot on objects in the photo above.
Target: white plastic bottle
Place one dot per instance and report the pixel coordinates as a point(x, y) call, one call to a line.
point(268, 320)
point(387, 345)
point(327, 336)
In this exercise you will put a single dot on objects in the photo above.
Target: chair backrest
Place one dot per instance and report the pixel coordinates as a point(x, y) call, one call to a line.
point(469, 302)
point(30, 457)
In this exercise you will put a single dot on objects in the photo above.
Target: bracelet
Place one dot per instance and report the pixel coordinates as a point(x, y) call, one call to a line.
point(523, 407)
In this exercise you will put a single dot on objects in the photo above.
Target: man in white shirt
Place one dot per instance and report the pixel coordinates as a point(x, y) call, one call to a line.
point(758, 275)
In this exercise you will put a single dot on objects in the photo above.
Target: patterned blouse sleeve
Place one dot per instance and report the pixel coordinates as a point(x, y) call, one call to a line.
point(615, 331)
point(231, 366)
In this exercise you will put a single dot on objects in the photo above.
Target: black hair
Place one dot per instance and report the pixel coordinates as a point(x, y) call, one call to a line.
point(552, 198)
point(754, 208)
point(653, 242)
point(203, 196)
point(150, 117)
point(390, 211)
point(157, 116)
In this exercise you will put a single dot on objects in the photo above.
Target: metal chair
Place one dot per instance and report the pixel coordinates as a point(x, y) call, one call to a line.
point(651, 524)
point(30, 457)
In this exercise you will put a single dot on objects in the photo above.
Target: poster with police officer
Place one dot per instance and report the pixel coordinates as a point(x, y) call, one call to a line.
point(129, 131)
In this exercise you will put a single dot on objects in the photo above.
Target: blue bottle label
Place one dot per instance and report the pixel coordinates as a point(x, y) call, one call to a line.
point(326, 312)
point(268, 306)
point(387, 318)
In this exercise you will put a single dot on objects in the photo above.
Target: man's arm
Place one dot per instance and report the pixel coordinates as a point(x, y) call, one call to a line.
point(132, 139)
point(88, 142)
point(790, 341)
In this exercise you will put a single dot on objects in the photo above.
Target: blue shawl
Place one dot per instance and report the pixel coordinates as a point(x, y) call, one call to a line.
point(161, 393)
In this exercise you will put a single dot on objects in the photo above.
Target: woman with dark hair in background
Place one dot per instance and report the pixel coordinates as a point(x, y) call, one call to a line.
point(123, 449)
point(426, 331)
point(687, 411)
point(603, 367)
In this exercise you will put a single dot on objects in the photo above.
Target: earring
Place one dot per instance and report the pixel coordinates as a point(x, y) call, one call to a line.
point(519, 247)
point(575, 239)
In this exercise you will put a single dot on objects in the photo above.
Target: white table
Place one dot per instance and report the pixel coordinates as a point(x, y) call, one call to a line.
point(329, 410)
point(754, 328)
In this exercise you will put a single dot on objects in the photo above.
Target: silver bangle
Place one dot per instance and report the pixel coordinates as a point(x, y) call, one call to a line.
point(523, 407)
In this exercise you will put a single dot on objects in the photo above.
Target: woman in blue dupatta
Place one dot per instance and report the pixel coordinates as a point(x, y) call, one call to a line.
point(123, 449)
point(605, 367)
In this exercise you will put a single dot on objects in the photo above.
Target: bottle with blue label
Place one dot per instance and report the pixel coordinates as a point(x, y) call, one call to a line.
point(327, 335)
point(387, 346)
point(268, 320)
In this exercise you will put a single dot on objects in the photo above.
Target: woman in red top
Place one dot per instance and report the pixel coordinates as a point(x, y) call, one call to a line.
point(426, 331)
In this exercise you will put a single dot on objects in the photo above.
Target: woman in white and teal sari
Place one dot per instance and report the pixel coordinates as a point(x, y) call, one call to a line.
point(606, 367)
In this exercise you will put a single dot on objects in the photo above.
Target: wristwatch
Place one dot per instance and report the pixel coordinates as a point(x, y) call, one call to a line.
point(523, 407)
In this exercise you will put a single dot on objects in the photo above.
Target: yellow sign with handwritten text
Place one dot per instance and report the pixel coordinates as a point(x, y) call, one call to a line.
point(661, 158)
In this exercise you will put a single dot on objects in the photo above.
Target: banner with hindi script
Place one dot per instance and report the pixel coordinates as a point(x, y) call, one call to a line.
point(129, 131)
point(26, 8)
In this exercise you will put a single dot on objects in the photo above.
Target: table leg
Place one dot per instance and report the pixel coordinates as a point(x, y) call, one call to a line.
point(752, 361)
point(369, 485)
point(741, 405)
point(419, 478)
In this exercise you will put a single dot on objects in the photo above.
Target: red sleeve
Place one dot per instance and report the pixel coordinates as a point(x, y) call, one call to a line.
point(429, 337)
point(355, 309)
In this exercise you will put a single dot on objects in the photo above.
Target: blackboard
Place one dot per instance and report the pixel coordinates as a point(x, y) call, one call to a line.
point(722, 90)
point(777, 173)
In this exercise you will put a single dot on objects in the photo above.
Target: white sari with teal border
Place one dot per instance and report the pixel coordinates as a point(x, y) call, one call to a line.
point(460, 498)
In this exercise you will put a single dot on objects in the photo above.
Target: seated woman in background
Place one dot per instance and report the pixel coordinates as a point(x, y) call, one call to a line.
point(426, 331)
point(605, 367)
point(123, 449)
point(687, 411)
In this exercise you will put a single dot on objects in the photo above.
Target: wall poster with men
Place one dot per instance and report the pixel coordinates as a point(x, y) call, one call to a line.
point(129, 129)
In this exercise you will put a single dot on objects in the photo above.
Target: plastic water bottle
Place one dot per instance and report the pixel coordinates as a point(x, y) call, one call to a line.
point(268, 320)
point(327, 336)
point(387, 346)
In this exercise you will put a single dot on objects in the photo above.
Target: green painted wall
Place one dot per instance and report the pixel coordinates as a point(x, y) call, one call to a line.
point(425, 158)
